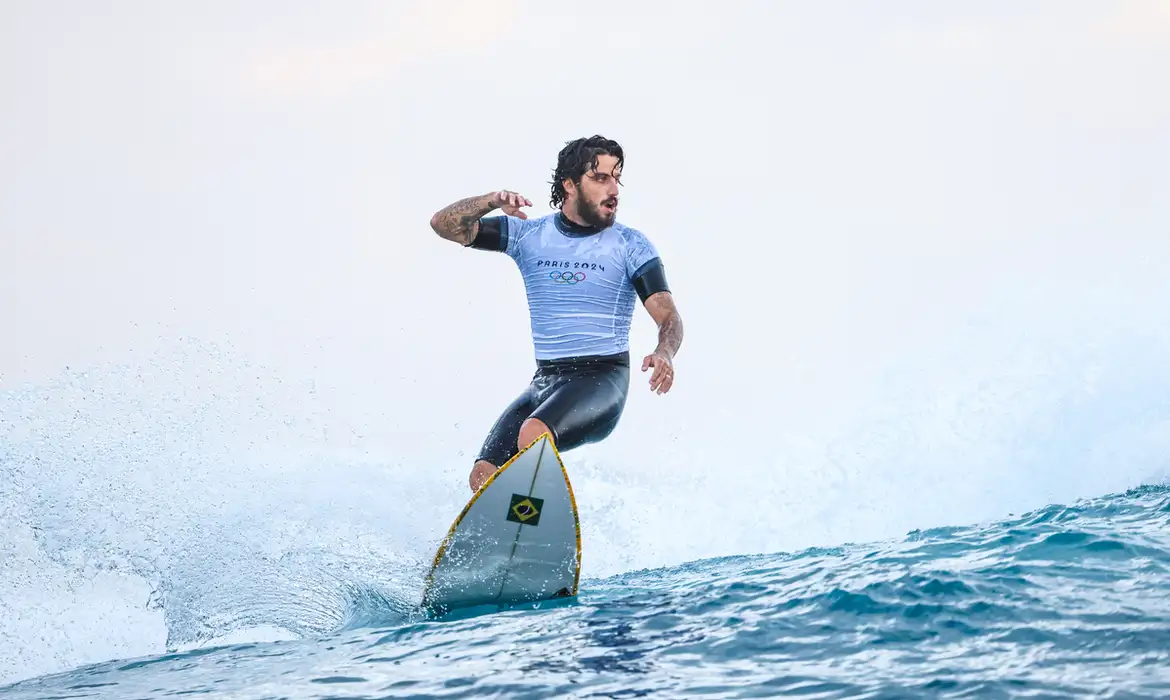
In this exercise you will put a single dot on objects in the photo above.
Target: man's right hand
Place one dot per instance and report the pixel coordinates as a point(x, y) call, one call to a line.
point(510, 202)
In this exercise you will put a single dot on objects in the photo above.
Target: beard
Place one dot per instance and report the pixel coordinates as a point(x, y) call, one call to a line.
point(595, 214)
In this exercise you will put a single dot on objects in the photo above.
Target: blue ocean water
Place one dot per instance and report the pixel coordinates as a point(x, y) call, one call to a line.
point(992, 524)
point(1066, 601)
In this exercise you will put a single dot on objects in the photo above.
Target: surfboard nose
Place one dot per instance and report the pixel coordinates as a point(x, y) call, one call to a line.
point(517, 540)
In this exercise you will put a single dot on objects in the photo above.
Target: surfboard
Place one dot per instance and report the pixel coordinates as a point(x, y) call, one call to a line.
point(517, 540)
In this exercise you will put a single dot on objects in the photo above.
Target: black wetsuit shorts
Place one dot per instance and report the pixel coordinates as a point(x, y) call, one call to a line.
point(580, 399)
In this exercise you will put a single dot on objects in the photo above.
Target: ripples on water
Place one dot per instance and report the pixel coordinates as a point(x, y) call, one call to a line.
point(1066, 601)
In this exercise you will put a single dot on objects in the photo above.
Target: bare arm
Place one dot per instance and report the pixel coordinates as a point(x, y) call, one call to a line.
point(459, 221)
point(670, 326)
point(670, 335)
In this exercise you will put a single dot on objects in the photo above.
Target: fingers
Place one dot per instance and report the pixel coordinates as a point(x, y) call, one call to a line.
point(511, 202)
point(662, 378)
point(661, 383)
point(667, 382)
point(510, 199)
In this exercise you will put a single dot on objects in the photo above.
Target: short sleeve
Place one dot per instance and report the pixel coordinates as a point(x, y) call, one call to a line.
point(492, 235)
point(644, 266)
point(501, 234)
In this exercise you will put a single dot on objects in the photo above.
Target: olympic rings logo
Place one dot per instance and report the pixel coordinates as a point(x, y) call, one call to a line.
point(566, 277)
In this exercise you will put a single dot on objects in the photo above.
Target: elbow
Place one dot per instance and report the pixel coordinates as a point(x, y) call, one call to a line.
point(437, 223)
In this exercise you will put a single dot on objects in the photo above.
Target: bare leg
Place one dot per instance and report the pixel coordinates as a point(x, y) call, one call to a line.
point(531, 429)
point(480, 473)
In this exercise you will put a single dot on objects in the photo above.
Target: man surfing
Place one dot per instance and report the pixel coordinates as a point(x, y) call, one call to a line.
point(582, 270)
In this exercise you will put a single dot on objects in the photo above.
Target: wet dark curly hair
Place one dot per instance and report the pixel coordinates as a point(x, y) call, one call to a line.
point(577, 158)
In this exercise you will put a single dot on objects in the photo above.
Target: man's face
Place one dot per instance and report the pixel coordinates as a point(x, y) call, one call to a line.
point(596, 198)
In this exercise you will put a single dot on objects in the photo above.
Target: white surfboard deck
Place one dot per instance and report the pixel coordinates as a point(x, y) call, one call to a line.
point(517, 540)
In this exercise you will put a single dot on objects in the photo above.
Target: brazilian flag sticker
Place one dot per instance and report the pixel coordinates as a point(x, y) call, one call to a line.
point(525, 509)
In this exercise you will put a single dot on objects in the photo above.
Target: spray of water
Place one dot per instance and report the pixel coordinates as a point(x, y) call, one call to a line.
point(196, 495)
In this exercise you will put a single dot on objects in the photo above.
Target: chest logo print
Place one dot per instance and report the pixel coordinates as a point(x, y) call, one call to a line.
point(566, 277)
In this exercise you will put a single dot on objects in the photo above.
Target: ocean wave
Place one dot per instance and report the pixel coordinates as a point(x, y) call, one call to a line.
point(1068, 600)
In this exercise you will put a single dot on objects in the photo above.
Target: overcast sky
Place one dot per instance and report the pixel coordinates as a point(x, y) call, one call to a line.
point(831, 184)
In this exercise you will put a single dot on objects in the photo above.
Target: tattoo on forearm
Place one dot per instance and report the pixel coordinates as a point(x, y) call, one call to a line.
point(670, 334)
point(457, 222)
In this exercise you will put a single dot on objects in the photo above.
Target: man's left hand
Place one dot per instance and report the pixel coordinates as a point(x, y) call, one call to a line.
point(663, 376)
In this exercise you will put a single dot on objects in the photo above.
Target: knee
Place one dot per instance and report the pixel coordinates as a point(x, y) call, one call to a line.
point(530, 430)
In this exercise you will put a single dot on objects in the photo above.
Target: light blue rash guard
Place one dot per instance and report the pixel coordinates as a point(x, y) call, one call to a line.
point(581, 282)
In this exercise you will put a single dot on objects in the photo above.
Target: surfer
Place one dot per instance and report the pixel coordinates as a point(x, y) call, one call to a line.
point(582, 270)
